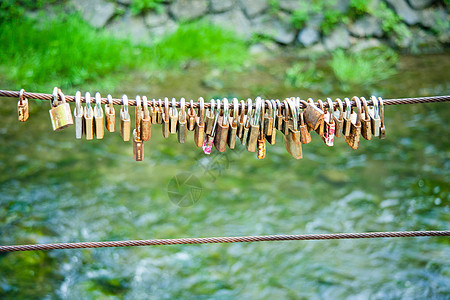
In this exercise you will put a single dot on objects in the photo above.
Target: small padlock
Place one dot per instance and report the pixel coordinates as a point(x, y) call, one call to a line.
point(159, 114)
point(375, 119)
point(165, 119)
point(339, 118)
point(329, 125)
point(232, 132)
point(181, 127)
point(382, 128)
point(125, 122)
point(138, 147)
point(199, 132)
point(173, 116)
point(286, 120)
point(98, 117)
point(22, 107)
point(272, 134)
point(88, 118)
point(304, 132)
point(146, 124)
point(241, 121)
point(268, 118)
point(313, 115)
point(191, 116)
point(355, 129)
point(209, 124)
point(220, 140)
point(154, 112)
point(138, 116)
point(253, 134)
point(209, 139)
point(110, 115)
point(366, 125)
point(78, 116)
point(261, 144)
point(347, 117)
point(279, 118)
point(292, 138)
point(321, 128)
point(60, 114)
point(248, 121)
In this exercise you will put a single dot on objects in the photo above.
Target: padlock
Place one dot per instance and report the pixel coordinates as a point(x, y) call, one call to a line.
point(279, 118)
point(181, 127)
point(88, 118)
point(154, 112)
point(292, 138)
point(209, 139)
point(232, 131)
point(272, 134)
point(347, 117)
point(165, 119)
point(199, 132)
point(209, 123)
point(253, 133)
point(220, 140)
point(304, 132)
point(125, 122)
point(78, 116)
point(268, 118)
point(366, 125)
point(382, 128)
point(375, 119)
point(247, 124)
point(241, 121)
point(138, 147)
point(110, 115)
point(329, 125)
point(173, 116)
point(60, 114)
point(287, 119)
point(338, 117)
point(313, 115)
point(159, 114)
point(321, 128)
point(22, 107)
point(261, 144)
point(355, 129)
point(191, 116)
point(139, 113)
point(146, 124)
point(98, 117)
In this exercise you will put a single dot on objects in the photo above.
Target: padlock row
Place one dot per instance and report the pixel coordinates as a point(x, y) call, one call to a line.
point(223, 122)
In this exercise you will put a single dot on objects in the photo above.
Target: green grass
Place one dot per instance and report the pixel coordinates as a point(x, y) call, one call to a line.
point(67, 52)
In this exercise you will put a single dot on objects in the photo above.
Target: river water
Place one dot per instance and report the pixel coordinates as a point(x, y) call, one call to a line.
point(54, 188)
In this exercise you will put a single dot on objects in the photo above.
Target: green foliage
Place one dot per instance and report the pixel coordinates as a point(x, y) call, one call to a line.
point(14, 9)
point(391, 22)
point(360, 7)
point(303, 75)
point(330, 18)
point(301, 16)
point(363, 68)
point(141, 6)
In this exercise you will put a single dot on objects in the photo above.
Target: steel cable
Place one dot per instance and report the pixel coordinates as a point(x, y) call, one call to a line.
point(213, 240)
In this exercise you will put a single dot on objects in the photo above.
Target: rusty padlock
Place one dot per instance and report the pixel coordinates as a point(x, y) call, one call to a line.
point(139, 113)
point(99, 117)
point(209, 139)
point(125, 120)
point(159, 113)
point(287, 118)
point(269, 122)
point(313, 115)
point(279, 118)
point(247, 124)
point(339, 118)
point(292, 138)
point(382, 128)
point(181, 126)
point(199, 131)
point(191, 116)
point(242, 120)
point(366, 124)
point(173, 116)
point(138, 147)
point(60, 114)
point(146, 123)
point(321, 128)
point(329, 125)
point(261, 146)
point(209, 123)
point(165, 118)
point(78, 116)
point(110, 115)
point(220, 140)
point(304, 132)
point(22, 107)
point(233, 121)
point(88, 117)
point(355, 128)
point(253, 133)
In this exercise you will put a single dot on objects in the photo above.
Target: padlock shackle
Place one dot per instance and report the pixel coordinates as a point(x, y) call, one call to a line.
point(358, 110)
point(366, 108)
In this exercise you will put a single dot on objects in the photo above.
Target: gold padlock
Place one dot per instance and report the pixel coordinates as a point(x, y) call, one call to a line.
point(261, 144)
point(125, 122)
point(268, 118)
point(209, 124)
point(60, 114)
point(191, 116)
point(182, 122)
point(366, 125)
point(88, 117)
point(355, 129)
point(78, 113)
point(173, 115)
point(98, 117)
point(253, 134)
point(165, 119)
point(279, 118)
point(347, 117)
point(241, 121)
point(272, 135)
point(199, 132)
point(220, 140)
point(375, 120)
point(382, 128)
point(146, 124)
point(138, 117)
point(292, 138)
point(110, 115)
point(339, 118)
point(138, 147)
point(159, 115)
point(232, 132)
point(22, 107)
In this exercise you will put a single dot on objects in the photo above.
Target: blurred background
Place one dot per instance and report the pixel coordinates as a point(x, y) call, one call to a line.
point(54, 188)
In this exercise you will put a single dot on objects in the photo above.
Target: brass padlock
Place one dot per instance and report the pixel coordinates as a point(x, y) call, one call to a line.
point(110, 115)
point(173, 115)
point(22, 107)
point(146, 124)
point(191, 116)
point(241, 121)
point(268, 118)
point(287, 119)
point(220, 140)
point(329, 125)
point(138, 147)
point(313, 115)
point(247, 124)
point(382, 128)
point(272, 112)
point(304, 132)
point(199, 132)
point(253, 134)
point(138, 117)
point(182, 130)
point(279, 118)
point(165, 119)
point(233, 121)
point(375, 119)
point(321, 128)
point(339, 118)
point(78, 116)
point(292, 138)
point(159, 114)
point(209, 139)
point(88, 117)
point(98, 117)
point(366, 125)
point(209, 124)
point(261, 144)
point(355, 129)
point(154, 112)
point(60, 114)
point(347, 117)
point(125, 121)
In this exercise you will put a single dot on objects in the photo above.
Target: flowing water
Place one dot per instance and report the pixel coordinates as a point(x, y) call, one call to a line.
point(54, 188)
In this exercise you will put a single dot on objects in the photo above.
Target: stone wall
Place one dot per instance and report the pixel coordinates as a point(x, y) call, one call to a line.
point(251, 18)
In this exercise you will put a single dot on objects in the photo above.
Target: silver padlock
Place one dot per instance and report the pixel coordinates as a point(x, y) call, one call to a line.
point(78, 116)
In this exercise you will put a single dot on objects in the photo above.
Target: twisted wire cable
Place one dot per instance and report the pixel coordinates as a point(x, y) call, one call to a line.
point(215, 240)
